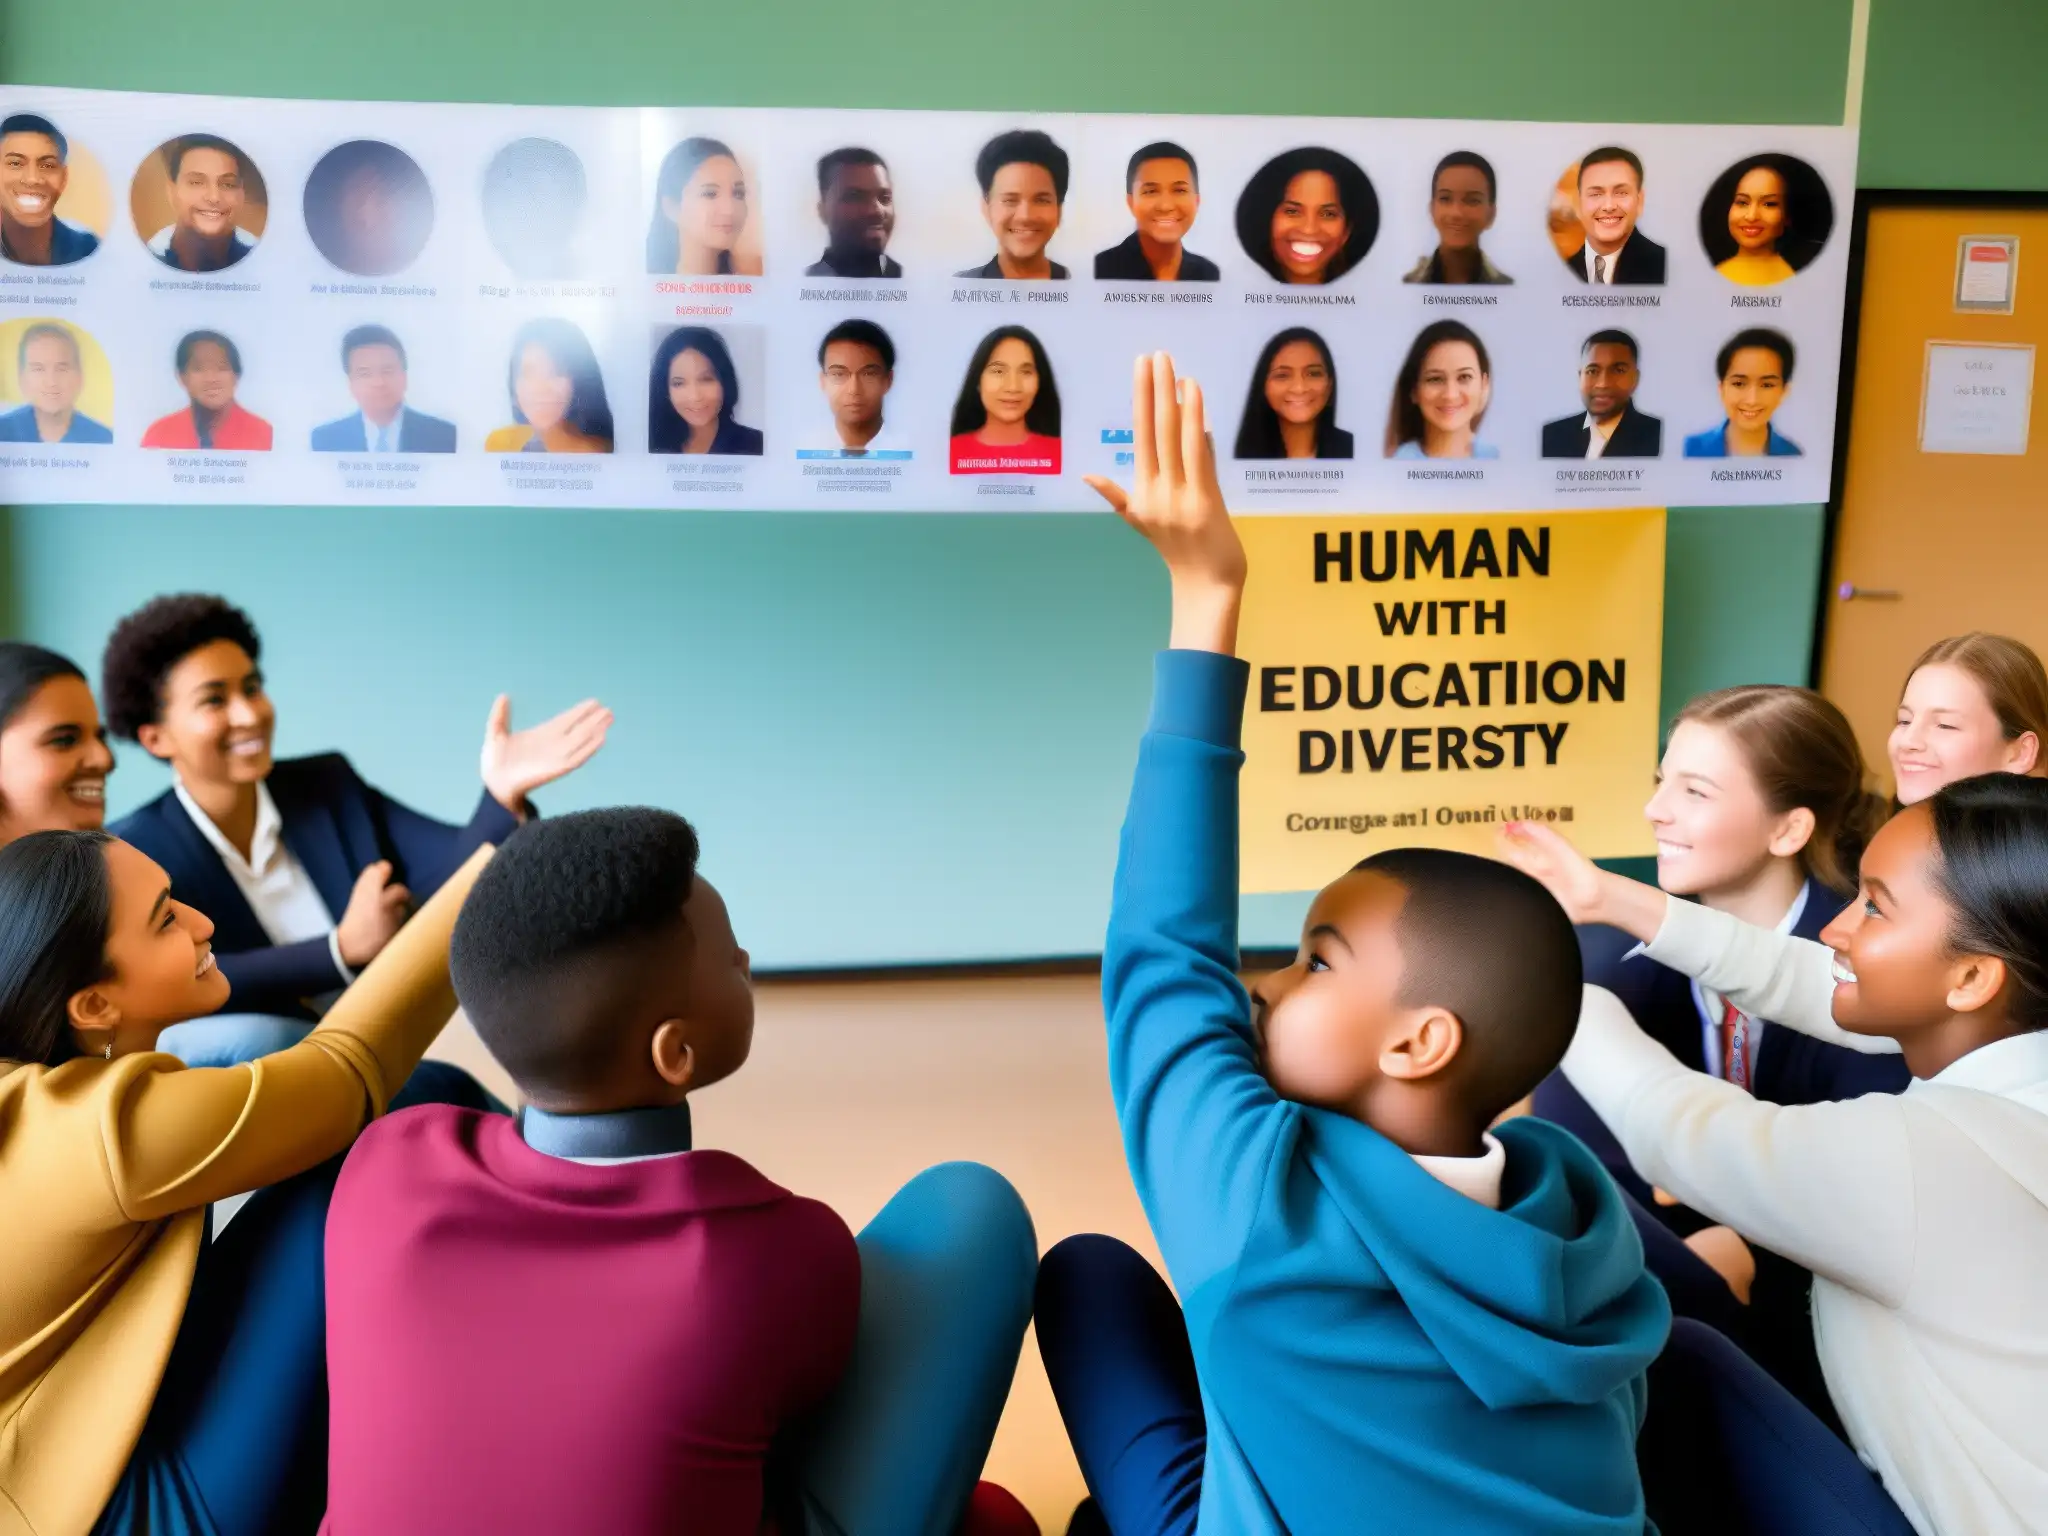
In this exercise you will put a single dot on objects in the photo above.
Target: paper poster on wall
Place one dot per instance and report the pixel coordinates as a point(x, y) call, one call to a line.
point(375, 303)
point(1419, 679)
point(1978, 398)
point(1987, 274)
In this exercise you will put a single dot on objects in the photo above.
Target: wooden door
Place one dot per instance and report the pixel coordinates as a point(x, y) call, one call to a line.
point(1931, 544)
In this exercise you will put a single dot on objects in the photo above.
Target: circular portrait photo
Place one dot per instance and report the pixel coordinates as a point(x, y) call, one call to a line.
point(1596, 210)
point(1308, 216)
point(696, 394)
point(1765, 218)
point(369, 208)
point(209, 371)
point(556, 392)
point(1754, 368)
point(199, 203)
point(1441, 395)
point(1290, 411)
point(1007, 418)
point(54, 201)
point(703, 222)
point(534, 199)
point(59, 389)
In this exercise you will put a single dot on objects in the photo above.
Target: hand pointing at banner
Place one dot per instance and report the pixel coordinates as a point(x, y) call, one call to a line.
point(1177, 504)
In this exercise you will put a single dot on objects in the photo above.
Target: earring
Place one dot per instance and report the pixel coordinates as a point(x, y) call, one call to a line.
point(108, 1053)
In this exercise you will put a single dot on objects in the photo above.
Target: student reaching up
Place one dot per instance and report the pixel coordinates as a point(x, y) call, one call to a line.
point(1923, 1216)
point(1395, 1320)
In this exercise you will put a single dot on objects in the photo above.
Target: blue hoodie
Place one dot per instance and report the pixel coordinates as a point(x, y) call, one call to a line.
point(1376, 1351)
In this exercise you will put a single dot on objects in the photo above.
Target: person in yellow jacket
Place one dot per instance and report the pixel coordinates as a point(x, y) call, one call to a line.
point(151, 1380)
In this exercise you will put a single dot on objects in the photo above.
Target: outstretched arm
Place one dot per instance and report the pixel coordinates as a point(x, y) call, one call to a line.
point(1767, 974)
point(1200, 1123)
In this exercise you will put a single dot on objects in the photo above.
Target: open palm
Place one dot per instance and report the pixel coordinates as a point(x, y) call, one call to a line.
point(516, 763)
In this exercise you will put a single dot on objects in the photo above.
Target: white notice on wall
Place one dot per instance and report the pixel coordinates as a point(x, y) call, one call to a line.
point(1978, 398)
point(1987, 271)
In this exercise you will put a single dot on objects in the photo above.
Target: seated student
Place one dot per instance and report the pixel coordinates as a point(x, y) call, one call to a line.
point(1923, 1215)
point(150, 1380)
point(308, 870)
point(1972, 704)
point(1397, 1320)
point(1760, 811)
point(54, 758)
point(748, 1356)
point(54, 764)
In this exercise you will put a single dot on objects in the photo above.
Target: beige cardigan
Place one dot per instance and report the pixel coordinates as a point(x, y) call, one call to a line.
point(106, 1170)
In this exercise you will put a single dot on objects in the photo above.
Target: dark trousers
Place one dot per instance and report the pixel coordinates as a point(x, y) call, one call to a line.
point(1775, 1329)
point(236, 1441)
point(1725, 1450)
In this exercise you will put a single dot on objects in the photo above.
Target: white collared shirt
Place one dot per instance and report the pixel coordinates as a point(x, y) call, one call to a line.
point(1713, 1006)
point(1611, 261)
point(1597, 435)
point(390, 433)
point(1476, 1178)
point(280, 893)
point(1923, 1216)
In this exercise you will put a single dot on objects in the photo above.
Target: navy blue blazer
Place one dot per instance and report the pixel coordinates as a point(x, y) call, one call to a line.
point(1791, 1068)
point(417, 433)
point(337, 825)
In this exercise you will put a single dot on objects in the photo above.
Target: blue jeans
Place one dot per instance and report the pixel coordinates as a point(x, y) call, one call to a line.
point(946, 1273)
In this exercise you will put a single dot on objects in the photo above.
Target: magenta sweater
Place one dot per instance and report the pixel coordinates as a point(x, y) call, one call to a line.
point(517, 1342)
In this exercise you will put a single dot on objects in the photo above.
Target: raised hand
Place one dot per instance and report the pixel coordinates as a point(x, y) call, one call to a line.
point(516, 763)
point(1176, 503)
point(1588, 893)
point(377, 909)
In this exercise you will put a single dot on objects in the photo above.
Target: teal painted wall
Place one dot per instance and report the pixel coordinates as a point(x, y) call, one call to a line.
point(906, 739)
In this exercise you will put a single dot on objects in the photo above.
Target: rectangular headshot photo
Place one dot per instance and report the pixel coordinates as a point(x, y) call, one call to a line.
point(377, 370)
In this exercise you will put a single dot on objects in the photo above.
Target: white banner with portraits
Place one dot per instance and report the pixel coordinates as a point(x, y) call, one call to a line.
point(213, 299)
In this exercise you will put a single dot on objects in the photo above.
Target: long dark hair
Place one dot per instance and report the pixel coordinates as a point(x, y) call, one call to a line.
point(1992, 831)
point(569, 349)
point(1809, 209)
point(667, 432)
point(59, 901)
point(1404, 416)
point(1262, 195)
point(24, 668)
point(664, 234)
point(970, 415)
point(1258, 435)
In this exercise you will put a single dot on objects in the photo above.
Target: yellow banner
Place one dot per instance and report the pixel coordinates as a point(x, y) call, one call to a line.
point(1421, 679)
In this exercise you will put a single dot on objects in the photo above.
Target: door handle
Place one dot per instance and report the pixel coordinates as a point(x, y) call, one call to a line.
point(1848, 592)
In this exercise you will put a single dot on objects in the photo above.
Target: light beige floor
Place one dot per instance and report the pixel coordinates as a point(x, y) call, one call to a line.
point(854, 1087)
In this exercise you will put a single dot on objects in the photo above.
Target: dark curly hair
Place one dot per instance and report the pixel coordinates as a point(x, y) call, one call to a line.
point(155, 638)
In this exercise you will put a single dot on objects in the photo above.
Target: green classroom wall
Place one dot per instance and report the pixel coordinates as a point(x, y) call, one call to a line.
point(905, 738)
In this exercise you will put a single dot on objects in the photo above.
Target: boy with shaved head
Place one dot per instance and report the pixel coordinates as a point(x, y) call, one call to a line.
point(1396, 1318)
